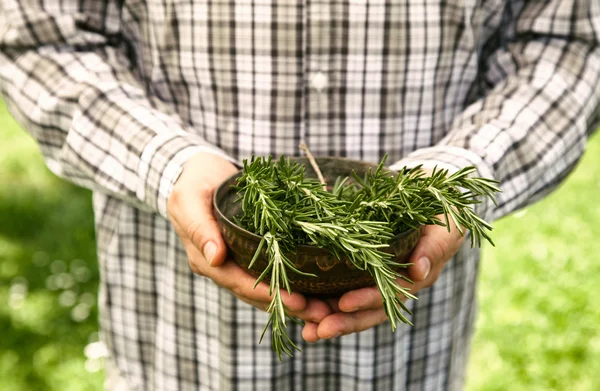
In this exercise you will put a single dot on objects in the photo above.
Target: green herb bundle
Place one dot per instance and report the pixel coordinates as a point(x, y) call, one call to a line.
point(355, 220)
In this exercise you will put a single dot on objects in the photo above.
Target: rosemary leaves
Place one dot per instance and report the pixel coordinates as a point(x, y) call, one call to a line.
point(355, 221)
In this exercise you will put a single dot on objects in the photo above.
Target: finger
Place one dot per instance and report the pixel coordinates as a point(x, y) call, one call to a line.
point(333, 303)
point(370, 297)
point(232, 277)
point(309, 332)
point(340, 323)
point(237, 280)
point(256, 304)
point(312, 314)
point(435, 247)
point(364, 298)
point(194, 216)
point(315, 311)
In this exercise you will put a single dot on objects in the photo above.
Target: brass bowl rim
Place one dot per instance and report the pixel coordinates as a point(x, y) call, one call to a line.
point(258, 238)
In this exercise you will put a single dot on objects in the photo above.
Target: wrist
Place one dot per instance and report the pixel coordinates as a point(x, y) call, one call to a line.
point(183, 160)
point(201, 173)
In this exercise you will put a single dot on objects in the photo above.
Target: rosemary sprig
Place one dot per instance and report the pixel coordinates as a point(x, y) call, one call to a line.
point(278, 264)
point(355, 221)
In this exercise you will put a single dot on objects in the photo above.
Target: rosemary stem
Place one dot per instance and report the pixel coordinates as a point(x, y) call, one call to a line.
point(314, 164)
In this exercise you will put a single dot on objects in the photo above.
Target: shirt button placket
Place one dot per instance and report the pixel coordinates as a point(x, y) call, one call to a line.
point(317, 77)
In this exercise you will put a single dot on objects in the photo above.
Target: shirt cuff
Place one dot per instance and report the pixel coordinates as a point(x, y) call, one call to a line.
point(162, 163)
point(453, 159)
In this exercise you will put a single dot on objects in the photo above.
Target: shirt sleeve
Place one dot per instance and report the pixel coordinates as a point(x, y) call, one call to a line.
point(539, 105)
point(66, 78)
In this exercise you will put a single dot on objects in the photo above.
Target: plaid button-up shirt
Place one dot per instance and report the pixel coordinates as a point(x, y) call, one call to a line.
point(120, 93)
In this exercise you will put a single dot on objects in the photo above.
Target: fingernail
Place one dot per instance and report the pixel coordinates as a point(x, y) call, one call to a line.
point(427, 266)
point(209, 251)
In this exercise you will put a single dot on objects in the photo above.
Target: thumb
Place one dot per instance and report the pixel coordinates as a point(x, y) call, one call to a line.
point(200, 226)
point(435, 247)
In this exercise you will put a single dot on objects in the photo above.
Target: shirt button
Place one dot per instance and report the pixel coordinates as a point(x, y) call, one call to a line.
point(318, 81)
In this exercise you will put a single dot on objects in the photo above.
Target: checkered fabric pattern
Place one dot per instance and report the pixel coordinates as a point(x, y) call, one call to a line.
point(120, 93)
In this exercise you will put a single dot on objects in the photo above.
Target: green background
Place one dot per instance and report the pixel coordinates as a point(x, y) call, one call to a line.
point(539, 319)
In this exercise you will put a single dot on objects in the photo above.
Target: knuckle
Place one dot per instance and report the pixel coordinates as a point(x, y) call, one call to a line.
point(236, 288)
point(443, 249)
point(205, 192)
point(433, 278)
point(194, 263)
point(194, 232)
point(205, 195)
point(195, 268)
point(354, 324)
point(174, 200)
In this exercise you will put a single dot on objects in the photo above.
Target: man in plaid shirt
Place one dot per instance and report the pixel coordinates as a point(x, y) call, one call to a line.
point(150, 102)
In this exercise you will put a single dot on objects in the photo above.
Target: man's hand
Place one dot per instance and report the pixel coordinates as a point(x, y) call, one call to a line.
point(362, 309)
point(191, 213)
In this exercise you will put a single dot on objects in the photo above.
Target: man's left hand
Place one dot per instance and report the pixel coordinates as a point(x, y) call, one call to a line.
point(362, 309)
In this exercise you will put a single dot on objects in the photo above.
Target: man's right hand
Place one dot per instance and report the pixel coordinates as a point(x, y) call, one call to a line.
point(191, 213)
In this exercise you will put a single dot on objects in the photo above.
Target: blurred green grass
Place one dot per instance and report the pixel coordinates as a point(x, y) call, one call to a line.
point(539, 319)
point(48, 273)
point(538, 324)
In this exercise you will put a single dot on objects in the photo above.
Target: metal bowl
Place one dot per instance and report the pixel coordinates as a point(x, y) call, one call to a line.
point(334, 276)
